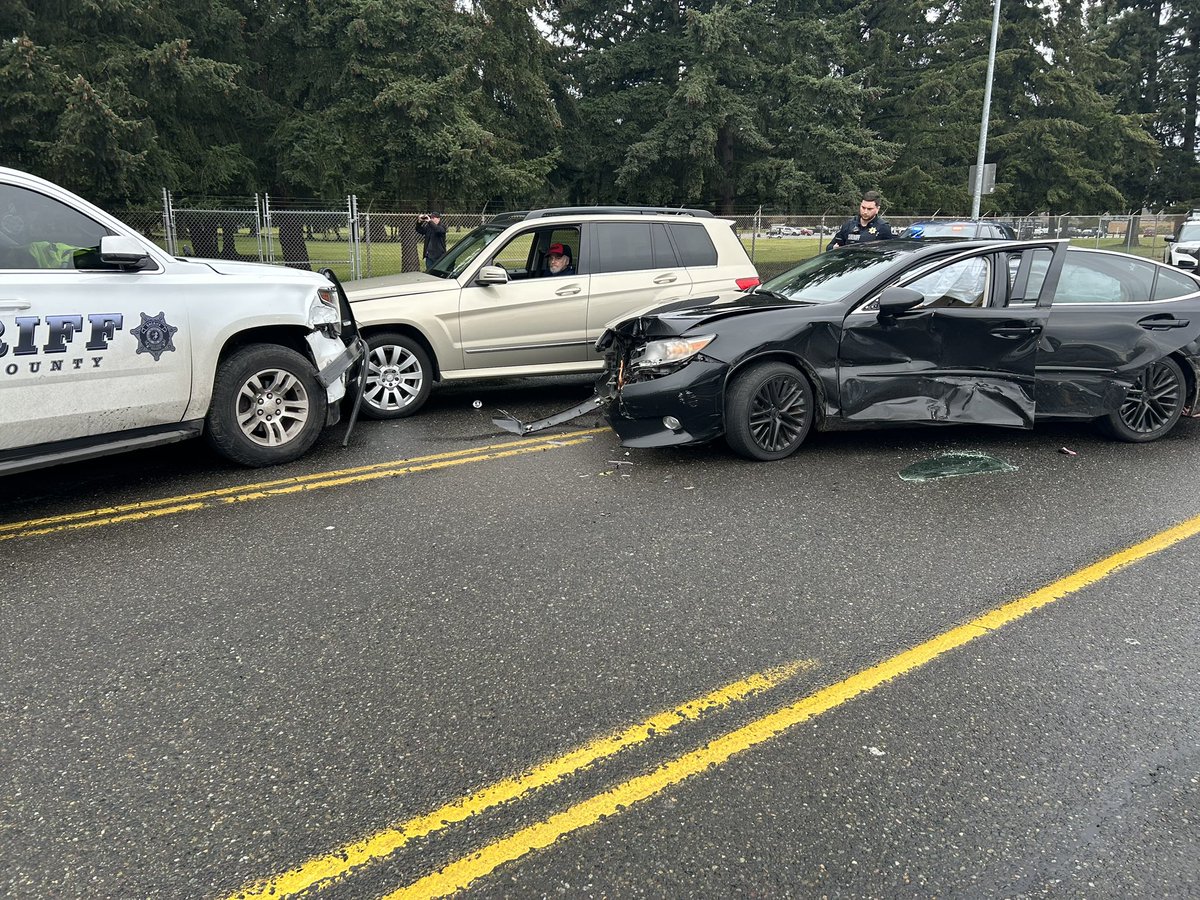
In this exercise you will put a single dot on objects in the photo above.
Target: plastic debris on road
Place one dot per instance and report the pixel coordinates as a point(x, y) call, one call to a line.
point(952, 465)
point(1067, 451)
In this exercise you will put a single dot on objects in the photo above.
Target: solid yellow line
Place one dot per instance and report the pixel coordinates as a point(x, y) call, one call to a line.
point(462, 872)
point(340, 861)
point(147, 509)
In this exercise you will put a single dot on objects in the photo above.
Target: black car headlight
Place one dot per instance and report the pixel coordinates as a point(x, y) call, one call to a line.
point(669, 352)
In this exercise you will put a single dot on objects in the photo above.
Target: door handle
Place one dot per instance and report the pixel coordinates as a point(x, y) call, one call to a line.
point(14, 304)
point(1162, 322)
point(1016, 331)
point(666, 279)
point(569, 291)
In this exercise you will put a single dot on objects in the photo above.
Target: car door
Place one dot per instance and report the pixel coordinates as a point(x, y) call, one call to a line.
point(635, 265)
point(535, 319)
point(966, 353)
point(85, 348)
point(1112, 314)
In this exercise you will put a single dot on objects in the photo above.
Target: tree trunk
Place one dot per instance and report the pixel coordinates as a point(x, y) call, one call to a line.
point(291, 242)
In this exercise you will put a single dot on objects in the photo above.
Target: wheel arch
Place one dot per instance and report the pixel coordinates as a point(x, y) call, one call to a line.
point(792, 359)
point(1191, 376)
point(408, 331)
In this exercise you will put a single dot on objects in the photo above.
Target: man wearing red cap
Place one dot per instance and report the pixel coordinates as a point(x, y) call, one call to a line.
point(558, 260)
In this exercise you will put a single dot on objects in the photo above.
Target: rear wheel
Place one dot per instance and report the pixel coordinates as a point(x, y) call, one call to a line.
point(1152, 406)
point(267, 407)
point(768, 411)
point(399, 376)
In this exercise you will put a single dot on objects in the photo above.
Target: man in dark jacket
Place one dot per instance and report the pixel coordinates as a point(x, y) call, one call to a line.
point(866, 226)
point(430, 227)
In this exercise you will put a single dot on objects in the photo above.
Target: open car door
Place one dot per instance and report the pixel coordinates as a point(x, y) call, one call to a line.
point(953, 342)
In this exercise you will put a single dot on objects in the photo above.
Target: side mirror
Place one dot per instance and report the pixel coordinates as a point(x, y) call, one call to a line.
point(1169, 240)
point(492, 275)
point(119, 250)
point(896, 300)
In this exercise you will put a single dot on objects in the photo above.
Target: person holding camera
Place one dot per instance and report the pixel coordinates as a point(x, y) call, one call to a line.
point(430, 227)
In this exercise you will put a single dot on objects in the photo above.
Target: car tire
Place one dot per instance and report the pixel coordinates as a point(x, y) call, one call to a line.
point(1151, 407)
point(267, 407)
point(399, 376)
point(768, 411)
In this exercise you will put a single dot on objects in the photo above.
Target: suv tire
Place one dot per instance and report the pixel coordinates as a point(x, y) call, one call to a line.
point(267, 407)
point(399, 376)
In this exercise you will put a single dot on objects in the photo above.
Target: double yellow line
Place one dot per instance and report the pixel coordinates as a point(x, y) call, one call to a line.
point(168, 506)
point(461, 873)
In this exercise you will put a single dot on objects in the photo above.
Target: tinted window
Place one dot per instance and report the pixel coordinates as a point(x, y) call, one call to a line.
point(37, 232)
point(1104, 278)
point(624, 247)
point(1173, 284)
point(664, 253)
point(695, 246)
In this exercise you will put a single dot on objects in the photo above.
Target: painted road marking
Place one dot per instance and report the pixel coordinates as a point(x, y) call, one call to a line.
point(462, 872)
point(339, 862)
point(149, 509)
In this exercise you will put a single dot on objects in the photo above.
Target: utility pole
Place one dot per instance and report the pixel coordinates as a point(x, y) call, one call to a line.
point(987, 108)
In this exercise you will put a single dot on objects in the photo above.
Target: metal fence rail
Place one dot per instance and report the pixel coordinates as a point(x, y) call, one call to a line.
point(361, 243)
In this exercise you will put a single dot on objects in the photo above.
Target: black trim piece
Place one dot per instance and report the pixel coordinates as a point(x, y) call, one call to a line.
point(78, 449)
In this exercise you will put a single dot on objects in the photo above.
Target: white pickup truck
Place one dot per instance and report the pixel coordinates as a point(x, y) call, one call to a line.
point(107, 343)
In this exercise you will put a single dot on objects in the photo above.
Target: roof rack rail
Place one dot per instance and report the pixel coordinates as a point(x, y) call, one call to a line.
point(622, 210)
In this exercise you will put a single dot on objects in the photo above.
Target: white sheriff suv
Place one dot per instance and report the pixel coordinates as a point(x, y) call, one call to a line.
point(107, 343)
point(1183, 249)
point(529, 293)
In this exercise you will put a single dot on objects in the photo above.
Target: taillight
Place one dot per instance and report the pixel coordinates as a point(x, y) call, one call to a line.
point(744, 284)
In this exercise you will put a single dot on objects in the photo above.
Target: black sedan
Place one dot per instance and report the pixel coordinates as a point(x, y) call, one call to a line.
point(904, 332)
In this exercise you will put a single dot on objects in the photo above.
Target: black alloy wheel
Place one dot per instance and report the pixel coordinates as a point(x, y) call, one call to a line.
point(768, 411)
point(1152, 406)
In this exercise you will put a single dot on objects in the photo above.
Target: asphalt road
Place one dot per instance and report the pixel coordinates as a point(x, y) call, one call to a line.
point(553, 667)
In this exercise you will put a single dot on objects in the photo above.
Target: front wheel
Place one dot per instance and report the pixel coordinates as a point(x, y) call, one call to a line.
point(267, 407)
point(399, 376)
point(1152, 406)
point(768, 411)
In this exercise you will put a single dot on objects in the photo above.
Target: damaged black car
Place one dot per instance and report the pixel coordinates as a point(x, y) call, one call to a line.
point(904, 332)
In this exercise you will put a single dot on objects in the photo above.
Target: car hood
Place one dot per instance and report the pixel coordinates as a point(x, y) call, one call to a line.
point(402, 285)
point(256, 270)
point(670, 319)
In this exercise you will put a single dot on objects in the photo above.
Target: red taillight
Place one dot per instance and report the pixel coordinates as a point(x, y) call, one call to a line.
point(744, 284)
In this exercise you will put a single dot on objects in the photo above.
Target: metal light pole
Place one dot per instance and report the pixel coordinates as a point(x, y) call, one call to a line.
point(987, 108)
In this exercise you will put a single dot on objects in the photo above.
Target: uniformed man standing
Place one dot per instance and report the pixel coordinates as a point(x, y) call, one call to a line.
point(866, 226)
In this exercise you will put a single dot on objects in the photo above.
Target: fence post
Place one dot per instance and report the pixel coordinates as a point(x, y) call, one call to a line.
point(266, 228)
point(168, 224)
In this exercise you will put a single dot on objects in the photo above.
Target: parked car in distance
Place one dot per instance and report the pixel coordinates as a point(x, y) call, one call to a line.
point(107, 343)
point(1183, 248)
point(960, 230)
point(907, 332)
point(490, 308)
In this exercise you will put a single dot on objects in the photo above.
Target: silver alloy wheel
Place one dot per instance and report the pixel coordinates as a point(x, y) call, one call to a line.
point(394, 377)
point(272, 407)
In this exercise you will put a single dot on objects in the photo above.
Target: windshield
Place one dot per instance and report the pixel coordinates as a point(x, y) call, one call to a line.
point(1190, 231)
point(832, 276)
point(461, 254)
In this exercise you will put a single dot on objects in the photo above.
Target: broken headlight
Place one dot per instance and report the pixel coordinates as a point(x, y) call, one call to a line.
point(670, 352)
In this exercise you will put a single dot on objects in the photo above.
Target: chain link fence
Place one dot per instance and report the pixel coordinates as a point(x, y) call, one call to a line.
point(361, 243)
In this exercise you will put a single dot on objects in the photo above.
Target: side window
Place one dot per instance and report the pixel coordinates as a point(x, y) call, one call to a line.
point(37, 232)
point(957, 286)
point(1093, 278)
point(1039, 264)
point(1171, 284)
point(664, 253)
point(695, 246)
point(624, 246)
point(515, 255)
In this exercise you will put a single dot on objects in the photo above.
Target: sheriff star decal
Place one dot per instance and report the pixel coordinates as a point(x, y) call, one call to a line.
point(154, 335)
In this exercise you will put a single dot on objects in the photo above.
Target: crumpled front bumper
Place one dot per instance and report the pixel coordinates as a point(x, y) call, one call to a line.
point(694, 396)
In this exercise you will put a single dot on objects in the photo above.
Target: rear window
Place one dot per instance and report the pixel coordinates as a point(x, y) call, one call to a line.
point(1173, 284)
point(695, 246)
point(1097, 278)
